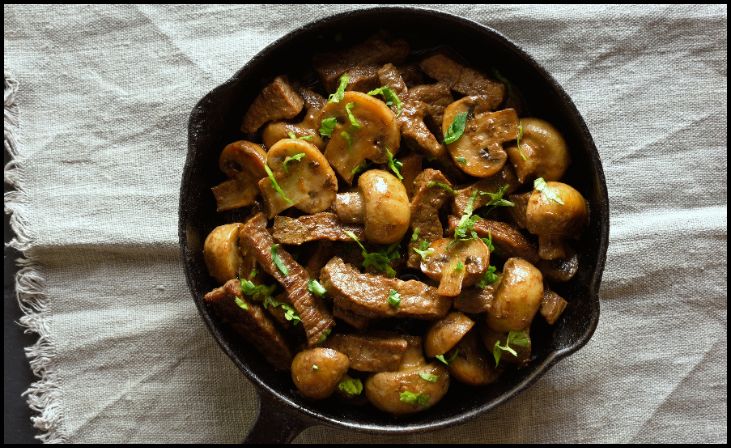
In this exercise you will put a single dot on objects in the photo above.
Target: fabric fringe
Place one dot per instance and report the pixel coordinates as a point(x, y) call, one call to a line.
point(43, 395)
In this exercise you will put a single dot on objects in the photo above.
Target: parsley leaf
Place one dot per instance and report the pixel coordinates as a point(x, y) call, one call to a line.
point(289, 312)
point(324, 335)
point(456, 129)
point(316, 288)
point(359, 168)
point(415, 234)
point(441, 185)
point(338, 95)
point(465, 226)
point(488, 278)
point(459, 267)
point(496, 199)
point(461, 160)
point(517, 338)
point(353, 121)
point(446, 361)
point(424, 250)
point(413, 398)
point(549, 193)
point(256, 292)
point(394, 165)
point(426, 376)
point(517, 141)
point(275, 184)
point(352, 387)
point(294, 137)
point(243, 305)
point(296, 158)
point(488, 241)
point(394, 298)
point(348, 139)
point(390, 96)
point(278, 260)
point(380, 261)
point(327, 126)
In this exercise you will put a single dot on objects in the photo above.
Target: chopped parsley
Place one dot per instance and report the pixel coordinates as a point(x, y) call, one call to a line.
point(353, 121)
point(488, 278)
point(459, 267)
point(426, 376)
point(243, 305)
point(446, 361)
point(466, 226)
point(289, 312)
point(324, 335)
point(516, 338)
point(275, 184)
point(456, 129)
point(394, 299)
point(390, 96)
point(316, 288)
point(424, 250)
point(294, 137)
point(394, 165)
point(415, 235)
point(488, 241)
point(359, 168)
point(256, 292)
point(289, 159)
point(548, 192)
point(327, 126)
point(496, 199)
point(351, 387)
point(461, 160)
point(348, 139)
point(413, 398)
point(338, 95)
point(441, 185)
point(278, 260)
point(517, 141)
point(380, 261)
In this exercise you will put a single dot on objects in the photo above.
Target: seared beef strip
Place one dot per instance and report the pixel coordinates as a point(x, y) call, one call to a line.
point(463, 79)
point(508, 240)
point(409, 170)
point(316, 318)
point(506, 176)
point(277, 101)
point(425, 207)
point(252, 324)
point(476, 300)
point(370, 353)
point(306, 228)
point(354, 320)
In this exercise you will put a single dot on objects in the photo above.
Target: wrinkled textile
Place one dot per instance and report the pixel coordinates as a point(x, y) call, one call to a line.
point(102, 103)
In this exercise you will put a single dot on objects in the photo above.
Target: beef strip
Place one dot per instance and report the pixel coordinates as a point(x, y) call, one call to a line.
point(463, 79)
point(318, 226)
point(409, 170)
point(437, 97)
point(508, 240)
point(349, 207)
point(316, 318)
point(506, 176)
point(363, 60)
point(425, 206)
point(370, 353)
point(323, 252)
point(390, 76)
point(367, 294)
point(476, 300)
point(354, 320)
point(252, 324)
point(277, 101)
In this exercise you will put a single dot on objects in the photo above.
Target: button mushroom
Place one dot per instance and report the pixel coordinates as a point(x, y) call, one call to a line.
point(386, 208)
point(472, 365)
point(307, 129)
point(542, 151)
point(519, 342)
point(518, 296)
point(455, 264)
point(446, 333)
point(364, 129)
point(221, 252)
point(243, 162)
point(478, 151)
point(300, 177)
point(555, 211)
point(317, 371)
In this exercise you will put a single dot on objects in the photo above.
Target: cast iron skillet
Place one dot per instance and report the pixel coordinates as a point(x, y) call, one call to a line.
point(214, 122)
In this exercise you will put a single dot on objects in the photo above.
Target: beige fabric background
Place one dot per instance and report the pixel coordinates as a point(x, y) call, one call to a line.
point(102, 104)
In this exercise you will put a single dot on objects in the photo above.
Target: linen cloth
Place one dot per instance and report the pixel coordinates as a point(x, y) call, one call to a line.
point(102, 102)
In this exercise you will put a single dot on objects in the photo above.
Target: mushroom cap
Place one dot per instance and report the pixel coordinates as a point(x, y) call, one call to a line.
point(243, 159)
point(376, 132)
point(221, 252)
point(543, 152)
point(443, 264)
point(563, 217)
point(320, 382)
point(387, 208)
point(384, 389)
point(518, 296)
point(445, 333)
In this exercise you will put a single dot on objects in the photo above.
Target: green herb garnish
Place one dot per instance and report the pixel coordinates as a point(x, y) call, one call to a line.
point(324, 335)
point(456, 129)
point(394, 165)
point(348, 139)
point(516, 338)
point(338, 95)
point(426, 376)
point(517, 141)
point(496, 199)
point(316, 288)
point(441, 185)
point(256, 292)
point(381, 261)
point(549, 193)
point(415, 235)
point(488, 241)
point(352, 387)
point(466, 226)
point(243, 305)
point(294, 137)
point(289, 159)
point(275, 184)
point(290, 313)
point(424, 250)
point(459, 267)
point(413, 398)
point(390, 96)
point(394, 298)
point(278, 260)
point(488, 278)
point(445, 361)
point(353, 121)
point(461, 160)
point(359, 168)
point(327, 126)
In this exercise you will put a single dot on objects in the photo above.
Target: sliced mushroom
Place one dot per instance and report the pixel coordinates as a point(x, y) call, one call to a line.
point(307, 129)
point(456, 264)
point(556, 212)
point(518, 296)
point(317, 371)
point(414, 354)
point(243, 162)
point(472, 365)
point(308, 184)
point(221, 252)
point(552, 305)
point(542, 152)
point(446, 333)
point(523, 350)
point(479, 150)
point(373, 132)
point(408, 391)
point(386, 205)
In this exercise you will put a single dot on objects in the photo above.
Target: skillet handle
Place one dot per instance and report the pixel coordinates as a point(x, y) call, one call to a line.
point(276, 423)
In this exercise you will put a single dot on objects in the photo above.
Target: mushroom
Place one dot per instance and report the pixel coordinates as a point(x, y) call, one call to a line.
point(365, 129)
point(456, 264)
point(518, 296)
point(243, 162)
point(303, 176)
point(522, 350)
point(555, 211)
point(479, 150)
point(317, 371)
point(471, 365)
point(381, 203)
point(446, 333)
point(221, 252)
point(560, 270)
point(542, 151)
point(307, 129)
point(415, 387)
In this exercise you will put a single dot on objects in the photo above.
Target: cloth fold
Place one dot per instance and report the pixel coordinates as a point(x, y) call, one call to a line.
point(96, 106)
